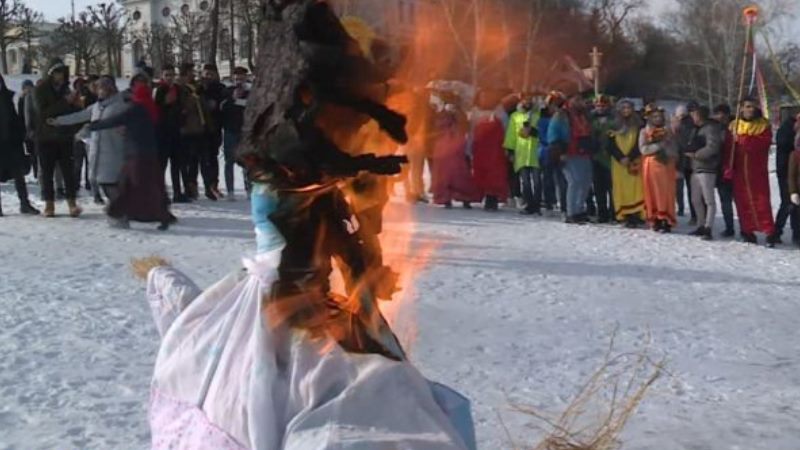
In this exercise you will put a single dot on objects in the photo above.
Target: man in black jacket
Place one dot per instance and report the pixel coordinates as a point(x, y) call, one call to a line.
point(684, 132)
point(212, 94)
point(53, 99)
point(170, 150)
point(232, 121)
point(784, 141)
point(723, 115)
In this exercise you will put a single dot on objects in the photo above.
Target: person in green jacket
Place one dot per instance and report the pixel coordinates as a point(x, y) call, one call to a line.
point(522, 142)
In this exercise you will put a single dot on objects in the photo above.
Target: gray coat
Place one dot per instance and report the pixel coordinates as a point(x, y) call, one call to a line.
point(106, 148)
point(708, 153)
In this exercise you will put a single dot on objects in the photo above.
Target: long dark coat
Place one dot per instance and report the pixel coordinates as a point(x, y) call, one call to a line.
point(12, 135)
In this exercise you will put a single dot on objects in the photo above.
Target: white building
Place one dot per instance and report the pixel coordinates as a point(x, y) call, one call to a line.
point(18, 53)
point(147, 17)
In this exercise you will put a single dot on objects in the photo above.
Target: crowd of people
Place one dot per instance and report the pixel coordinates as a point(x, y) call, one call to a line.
point(121, 144)
point(596, 161)
point(609, 163)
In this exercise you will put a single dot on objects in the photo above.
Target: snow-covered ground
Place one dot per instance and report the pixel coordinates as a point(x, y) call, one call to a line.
point(508, 309)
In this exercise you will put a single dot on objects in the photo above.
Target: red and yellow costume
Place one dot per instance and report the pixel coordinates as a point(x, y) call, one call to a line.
point(750, 175)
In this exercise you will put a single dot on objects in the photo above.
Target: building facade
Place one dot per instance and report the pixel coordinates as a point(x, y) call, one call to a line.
point(177, 30)
point(393, 19)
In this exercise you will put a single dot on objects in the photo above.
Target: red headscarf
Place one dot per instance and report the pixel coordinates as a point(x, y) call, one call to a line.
point(141, 95)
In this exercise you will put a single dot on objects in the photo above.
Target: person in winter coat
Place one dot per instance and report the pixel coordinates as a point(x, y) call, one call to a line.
point(488, 155)
point(31, 123)
point(659, 170)
point(626, 167)
point(30, 148)
point(53, 99)
point(570, 137)
point(602, 122)
point(793, 179)
point(748, 167)
point(140, 194)
point(704, 154)
point(213, 93)
point(784, 146)
point(521, 141)
point(722, 115)
point(170, 150)
point(12, 153)
point(452, 179)
point(683, 127)
point(193, 128)
point(106, 147)
point(550, 171)
point(86, 98)
point(232, 122)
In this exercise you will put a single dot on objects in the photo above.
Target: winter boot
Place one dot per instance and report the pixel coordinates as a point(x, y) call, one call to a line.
point(750, 238)
point(467, 205)
point(707, 236)
point(491, 203)
point(74, 209)
point(49, 209)
point(728, 233)
point(773, 240)
point(28, 209)
point(700, 231)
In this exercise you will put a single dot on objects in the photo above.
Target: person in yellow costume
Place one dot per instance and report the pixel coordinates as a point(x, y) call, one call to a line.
point(626, 165)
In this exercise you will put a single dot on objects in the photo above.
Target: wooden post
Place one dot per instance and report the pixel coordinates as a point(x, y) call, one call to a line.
point(596, 56)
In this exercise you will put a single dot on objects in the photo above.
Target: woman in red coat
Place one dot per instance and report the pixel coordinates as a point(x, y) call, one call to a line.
point(750, 174)
point(489, 164)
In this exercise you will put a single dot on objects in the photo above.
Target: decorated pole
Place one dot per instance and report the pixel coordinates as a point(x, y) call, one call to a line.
point(750, 16)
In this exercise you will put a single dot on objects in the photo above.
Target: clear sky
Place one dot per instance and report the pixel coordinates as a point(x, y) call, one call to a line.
point(53, 9)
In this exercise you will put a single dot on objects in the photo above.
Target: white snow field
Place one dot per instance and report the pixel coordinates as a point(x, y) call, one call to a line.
point(508, 309)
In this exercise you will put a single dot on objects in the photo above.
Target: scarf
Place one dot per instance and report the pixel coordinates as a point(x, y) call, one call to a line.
point(142, 97)
point(754, 127)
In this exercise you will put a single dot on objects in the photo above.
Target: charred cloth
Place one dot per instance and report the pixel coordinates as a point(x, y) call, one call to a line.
point(314, 90)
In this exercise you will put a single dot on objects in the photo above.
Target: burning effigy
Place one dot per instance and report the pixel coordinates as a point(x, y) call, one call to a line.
point(273, 357)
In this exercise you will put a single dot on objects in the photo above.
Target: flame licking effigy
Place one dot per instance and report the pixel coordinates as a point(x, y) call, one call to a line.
point(315, 94)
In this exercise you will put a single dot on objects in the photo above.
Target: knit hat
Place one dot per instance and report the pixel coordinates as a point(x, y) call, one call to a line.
point(211, 67)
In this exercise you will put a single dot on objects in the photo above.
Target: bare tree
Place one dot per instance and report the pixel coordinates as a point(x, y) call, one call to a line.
point(613, 14)
point(158, 43)
point(214, 29)
point(188, 28)
point(9, 15)
point(231, 43)
point(29, 23)
point(713, 35)
point(111, 22)
point(81, 36)
point(250, 16)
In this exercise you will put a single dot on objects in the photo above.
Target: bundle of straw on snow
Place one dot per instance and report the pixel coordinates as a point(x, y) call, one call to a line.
point(141, 267)
point(621, 382)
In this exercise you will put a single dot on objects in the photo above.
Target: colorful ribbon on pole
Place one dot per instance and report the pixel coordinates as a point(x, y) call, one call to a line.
point(757, 85)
